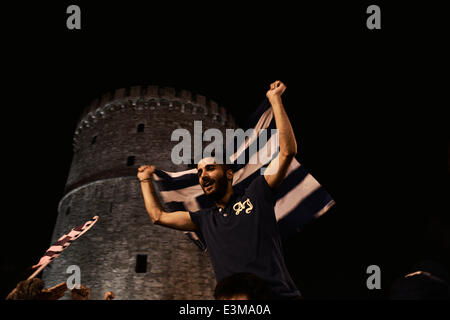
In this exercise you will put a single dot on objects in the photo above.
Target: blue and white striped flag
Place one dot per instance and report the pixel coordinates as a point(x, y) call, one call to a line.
point(299, 198)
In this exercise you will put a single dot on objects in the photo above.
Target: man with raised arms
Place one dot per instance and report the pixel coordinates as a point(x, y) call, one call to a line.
point(241, 230)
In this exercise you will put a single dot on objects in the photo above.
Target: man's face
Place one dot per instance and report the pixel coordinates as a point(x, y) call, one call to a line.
point(212, 178)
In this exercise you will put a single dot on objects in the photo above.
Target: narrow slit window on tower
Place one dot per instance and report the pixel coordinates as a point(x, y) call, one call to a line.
point(94, 140)
point(67, 211)
point(141, 263)
point(140, 127)
point(130, 161)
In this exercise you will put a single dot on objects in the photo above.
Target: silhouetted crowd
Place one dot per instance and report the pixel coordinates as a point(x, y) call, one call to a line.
point(427, 280)
point(34, 289)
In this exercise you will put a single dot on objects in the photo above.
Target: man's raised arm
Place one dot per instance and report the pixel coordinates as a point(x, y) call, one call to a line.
point(276, 171)
point(180, 220)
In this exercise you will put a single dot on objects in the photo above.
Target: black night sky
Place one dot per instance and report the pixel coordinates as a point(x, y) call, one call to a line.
point(357, 99)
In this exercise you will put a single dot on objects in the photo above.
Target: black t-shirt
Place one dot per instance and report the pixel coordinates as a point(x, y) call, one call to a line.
point(244, 237)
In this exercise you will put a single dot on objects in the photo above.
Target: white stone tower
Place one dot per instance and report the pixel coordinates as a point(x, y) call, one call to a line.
point(124, 252)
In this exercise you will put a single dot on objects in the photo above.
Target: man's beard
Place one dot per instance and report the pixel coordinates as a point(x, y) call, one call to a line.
point(220, 189)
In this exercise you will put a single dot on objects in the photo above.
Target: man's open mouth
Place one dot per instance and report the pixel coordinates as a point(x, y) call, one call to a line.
point(207, 184)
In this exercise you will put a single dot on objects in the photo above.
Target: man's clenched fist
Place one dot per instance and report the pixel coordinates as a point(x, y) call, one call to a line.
point(145, 172)
point(276, 90)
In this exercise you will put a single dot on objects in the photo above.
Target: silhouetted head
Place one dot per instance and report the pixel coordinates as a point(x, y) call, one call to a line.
point(83, 293)
point(242, 286)
point(428, 280)
point(27, 290)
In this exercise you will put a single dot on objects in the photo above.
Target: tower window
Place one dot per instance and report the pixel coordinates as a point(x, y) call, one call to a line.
point(140, 127)
point(130, 161)
point(67, 211)
point(141, 263)
point(94, 140)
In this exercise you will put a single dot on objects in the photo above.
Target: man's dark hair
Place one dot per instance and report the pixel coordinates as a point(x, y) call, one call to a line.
point(242, 284)
point(226, 166)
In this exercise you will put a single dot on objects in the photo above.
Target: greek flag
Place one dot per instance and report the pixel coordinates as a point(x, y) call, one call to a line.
point(299, 198)
point(63, 242)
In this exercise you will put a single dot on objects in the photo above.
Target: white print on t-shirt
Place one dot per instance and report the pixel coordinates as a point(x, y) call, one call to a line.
point(239, 206)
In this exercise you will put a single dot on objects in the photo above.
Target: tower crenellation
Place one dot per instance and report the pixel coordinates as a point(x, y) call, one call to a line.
point(153, 98)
